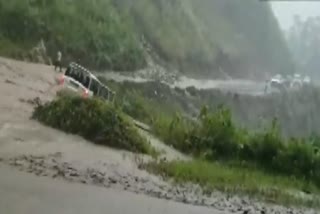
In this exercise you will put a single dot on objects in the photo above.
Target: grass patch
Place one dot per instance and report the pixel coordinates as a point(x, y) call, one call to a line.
point(238, 180)
point(94, 120)
point(215, 137)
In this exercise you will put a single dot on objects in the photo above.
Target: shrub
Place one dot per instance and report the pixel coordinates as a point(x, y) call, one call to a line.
point(137, 106)
point(93, 119)
point(173, 130)
point(218, 133)
point(298, 158)
point(215, 137)
point(264, 146)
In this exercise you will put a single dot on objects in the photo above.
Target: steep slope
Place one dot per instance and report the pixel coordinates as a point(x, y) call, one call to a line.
point(248, 32)
point(238, 37)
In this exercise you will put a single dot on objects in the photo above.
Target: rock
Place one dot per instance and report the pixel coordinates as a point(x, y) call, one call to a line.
point(18, 163)
point(10, 82)
point(74, 174)
point(84, 181)
point(263, 212)
point(247, 211)
point(112, 180)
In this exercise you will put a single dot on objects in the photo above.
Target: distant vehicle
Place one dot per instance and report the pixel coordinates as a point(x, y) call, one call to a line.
point(78, 80)
point(276, 84)
point(298, 81)
point(280, 84)
point(306, 80)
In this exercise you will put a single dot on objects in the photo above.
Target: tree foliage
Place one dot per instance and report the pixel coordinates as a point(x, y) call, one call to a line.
point(238, 37)
point(90, 31)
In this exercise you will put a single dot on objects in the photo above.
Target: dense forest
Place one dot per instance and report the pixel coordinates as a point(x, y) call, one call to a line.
point(91, 31)
point(239, 38)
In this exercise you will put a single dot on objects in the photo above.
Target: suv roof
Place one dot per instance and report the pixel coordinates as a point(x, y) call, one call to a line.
point(79, 67)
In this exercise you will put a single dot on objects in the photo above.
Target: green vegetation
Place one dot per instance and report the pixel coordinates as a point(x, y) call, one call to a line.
point(241, 37)
point(233, 160)
point(216, 138)
point(296, 112)
point(193, 36)
point(91, 31)
point(95, 120)
point(140, 101)
point(214, 176)
point(227, 157)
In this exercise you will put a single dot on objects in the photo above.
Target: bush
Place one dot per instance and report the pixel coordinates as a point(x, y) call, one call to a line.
point(137, 106)
point(215, 137)
point(173, 130)
point(264, 147)
point(93, 119)
point(217, 133)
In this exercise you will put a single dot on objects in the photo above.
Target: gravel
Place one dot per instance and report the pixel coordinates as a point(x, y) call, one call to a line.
point(55, 166)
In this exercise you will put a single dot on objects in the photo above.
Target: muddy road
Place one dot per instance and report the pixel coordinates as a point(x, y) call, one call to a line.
point(47, 171)
point(22, 193)
point(240, 86)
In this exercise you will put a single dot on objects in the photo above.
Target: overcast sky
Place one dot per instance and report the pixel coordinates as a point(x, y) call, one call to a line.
point(285, 10)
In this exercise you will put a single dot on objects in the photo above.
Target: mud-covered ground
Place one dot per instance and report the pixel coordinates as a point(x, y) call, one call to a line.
point(107, 175)
point(45, 195)
point(28, 146)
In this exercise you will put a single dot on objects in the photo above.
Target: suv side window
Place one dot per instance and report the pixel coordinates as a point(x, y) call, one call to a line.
point(94, 87)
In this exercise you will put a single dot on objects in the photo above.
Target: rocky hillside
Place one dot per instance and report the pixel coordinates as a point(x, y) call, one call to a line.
point(237, 38)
